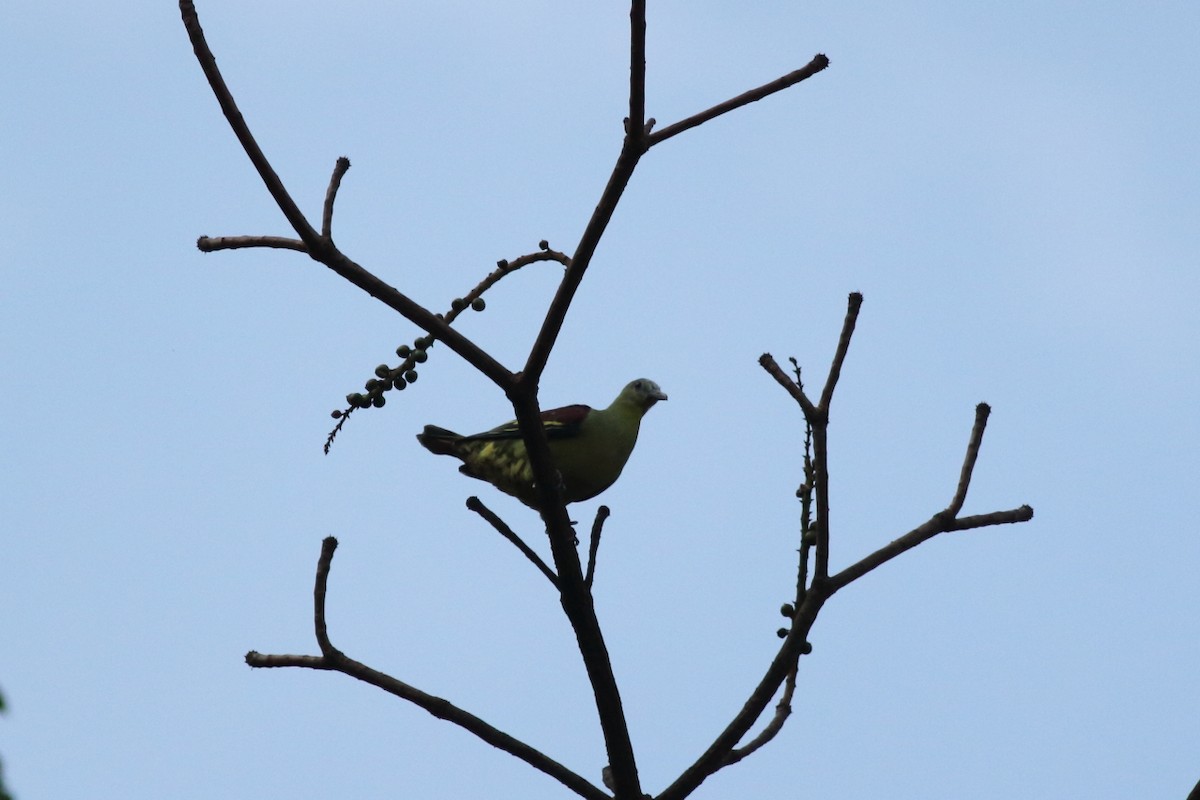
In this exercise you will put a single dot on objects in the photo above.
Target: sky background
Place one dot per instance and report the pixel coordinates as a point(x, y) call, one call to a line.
point(1014, 187)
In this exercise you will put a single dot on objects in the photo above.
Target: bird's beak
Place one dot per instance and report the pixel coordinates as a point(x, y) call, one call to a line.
point(659, 395)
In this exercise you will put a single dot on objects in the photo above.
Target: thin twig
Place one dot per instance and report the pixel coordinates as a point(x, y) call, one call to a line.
point(335, 181)
point(783, 710)
point(853, 304)
point(818, 63)
point(936, 524)
point(476, 505)
point(320, 587)
point(811, 413)
point(982, 411)
point(594, 545)
point(211, 244)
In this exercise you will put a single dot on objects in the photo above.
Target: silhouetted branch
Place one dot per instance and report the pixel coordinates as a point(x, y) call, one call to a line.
point(936, 524)
point(594, 545)
point(334, 660)
point(783, 710)
point(853, 305)
point(818, 63)
point(340, 167)
point(476, 505)
point(794, 645)
point(211, 244)
point(320, 587)
point(982, 411)
point(637, 66)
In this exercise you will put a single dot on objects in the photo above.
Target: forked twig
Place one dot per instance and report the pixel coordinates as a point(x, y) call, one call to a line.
point(334, 660)
point(783, 710)
point(318, 247)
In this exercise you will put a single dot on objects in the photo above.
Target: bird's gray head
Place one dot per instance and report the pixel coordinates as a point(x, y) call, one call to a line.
point(643, 393)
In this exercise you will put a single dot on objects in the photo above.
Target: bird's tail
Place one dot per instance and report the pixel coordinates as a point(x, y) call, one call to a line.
point(439, 440)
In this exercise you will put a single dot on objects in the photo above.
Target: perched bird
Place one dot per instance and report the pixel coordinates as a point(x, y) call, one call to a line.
point(590, 446)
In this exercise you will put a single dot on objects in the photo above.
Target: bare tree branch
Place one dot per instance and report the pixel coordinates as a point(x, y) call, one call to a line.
point(783, 710)
point(637, 66)
point(211, 244)
point(320, 588)
point(982, 411)
point(476, 505)
point(715, 757)
point(334, 660)
point(767, 361)
point(594, 546)
point(335, 182)
point(853, 305)
point(818, 63)
point(935, 525)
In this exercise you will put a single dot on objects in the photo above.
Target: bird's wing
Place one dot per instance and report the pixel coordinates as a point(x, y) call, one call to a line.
point(560, 423)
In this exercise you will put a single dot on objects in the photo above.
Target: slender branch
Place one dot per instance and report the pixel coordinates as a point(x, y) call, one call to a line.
point(811, 413)
point(853, 304)
point(211, 244)
point(539, 354)
point(936, 524)
point(594, 546)
point(334, 660)
point(818, 63)
point(476, 505)
point(982, 411)
point(320, 587)
point(783, 710)
point(637, 66)
point(794, 645)
point(340, 167)
point(821, 490)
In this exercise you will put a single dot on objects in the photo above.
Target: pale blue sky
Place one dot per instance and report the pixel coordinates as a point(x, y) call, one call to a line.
point(1013, 186)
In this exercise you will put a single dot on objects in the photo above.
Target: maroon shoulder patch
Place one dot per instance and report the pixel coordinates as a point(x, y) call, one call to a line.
point(569, 416)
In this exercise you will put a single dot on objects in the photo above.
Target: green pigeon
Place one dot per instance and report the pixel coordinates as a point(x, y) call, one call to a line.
point(590, 446)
